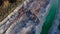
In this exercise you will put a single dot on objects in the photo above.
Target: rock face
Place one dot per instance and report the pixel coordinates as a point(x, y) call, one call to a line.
point(24, 19)
point(12, 1)
point(1, 2)
point(7, 6)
